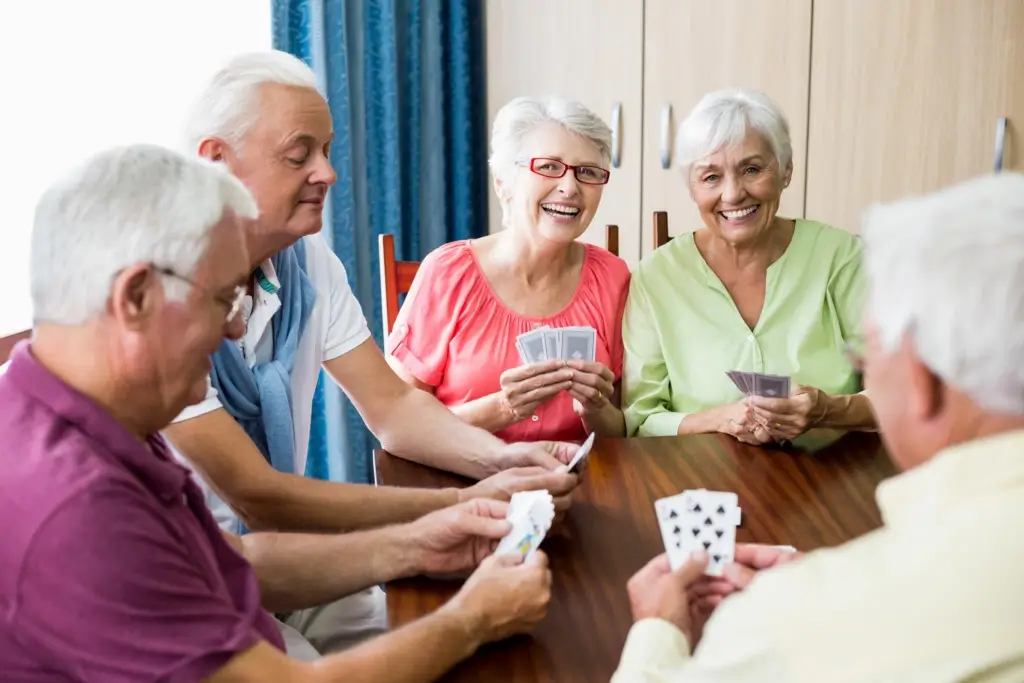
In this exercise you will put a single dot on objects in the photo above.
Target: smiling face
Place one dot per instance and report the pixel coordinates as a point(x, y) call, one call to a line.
point(553, 209)
point(738, 188)
point(285, 160)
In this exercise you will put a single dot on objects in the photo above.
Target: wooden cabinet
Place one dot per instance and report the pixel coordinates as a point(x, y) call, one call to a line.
point(884, 98)
point(906, 96)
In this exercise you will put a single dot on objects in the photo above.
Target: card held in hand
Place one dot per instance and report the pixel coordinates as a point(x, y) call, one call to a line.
point(699, 520)
point(531, 514)
point(578, 343)
point(579, 461)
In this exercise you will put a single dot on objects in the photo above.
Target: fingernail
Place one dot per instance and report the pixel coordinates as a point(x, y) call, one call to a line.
point(699, 556)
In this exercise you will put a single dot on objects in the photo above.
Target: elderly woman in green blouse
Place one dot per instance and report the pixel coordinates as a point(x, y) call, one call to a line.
point(752, 291)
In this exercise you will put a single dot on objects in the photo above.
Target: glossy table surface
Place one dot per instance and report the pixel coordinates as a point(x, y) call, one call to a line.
point(818, 492)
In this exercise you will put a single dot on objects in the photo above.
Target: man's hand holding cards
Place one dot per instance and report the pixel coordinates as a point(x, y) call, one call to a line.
point(531, 514)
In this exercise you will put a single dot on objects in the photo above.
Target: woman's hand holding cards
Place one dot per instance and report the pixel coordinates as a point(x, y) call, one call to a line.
point(789, 417)
point(526, 387)
point(593, 386)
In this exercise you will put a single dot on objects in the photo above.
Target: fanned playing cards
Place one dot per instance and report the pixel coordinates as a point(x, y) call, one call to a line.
point(757, 384)
point(699, 520)
point(563, 343)
point(531, 514)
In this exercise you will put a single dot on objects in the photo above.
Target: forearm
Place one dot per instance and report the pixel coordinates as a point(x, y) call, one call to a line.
point(607, 422)
point(702, 422)
point(417, 653)
point(486, 412)
point(421, 429)
point(851, 411)
point(296, 571)
point(306, 504)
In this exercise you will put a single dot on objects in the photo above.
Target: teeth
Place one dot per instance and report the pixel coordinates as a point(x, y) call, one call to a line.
point(740, 213)
point(561, 209)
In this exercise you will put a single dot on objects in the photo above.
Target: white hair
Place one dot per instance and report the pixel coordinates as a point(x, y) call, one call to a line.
point(520, 116)
point(228, 105)
point(949, 269)
point(724, 118)
point(121, 207)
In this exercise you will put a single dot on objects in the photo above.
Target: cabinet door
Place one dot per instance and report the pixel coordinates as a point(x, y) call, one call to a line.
point(692, 48)
point(905, 97)
point(587, 50)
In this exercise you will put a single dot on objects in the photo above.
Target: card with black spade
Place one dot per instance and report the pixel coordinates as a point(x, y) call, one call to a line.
point(699, 520)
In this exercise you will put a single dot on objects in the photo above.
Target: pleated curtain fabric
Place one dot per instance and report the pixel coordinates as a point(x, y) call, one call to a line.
point(405, 80)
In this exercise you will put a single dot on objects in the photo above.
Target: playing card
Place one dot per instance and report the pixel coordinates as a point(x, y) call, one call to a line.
point(737, 380)
point(578, 343)
point(531, 346)
point(771, 386)
point(579, 461)
point(531, 514)
point(699, 520)
point(552, 340)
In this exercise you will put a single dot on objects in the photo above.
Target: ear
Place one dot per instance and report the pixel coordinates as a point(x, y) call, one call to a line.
point(787, 174)
point(134, 296)
point(213, 149)
point(499, 190)
point(927, 395)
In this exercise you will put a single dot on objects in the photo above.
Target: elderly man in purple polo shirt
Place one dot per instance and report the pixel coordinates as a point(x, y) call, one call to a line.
point(111, 567)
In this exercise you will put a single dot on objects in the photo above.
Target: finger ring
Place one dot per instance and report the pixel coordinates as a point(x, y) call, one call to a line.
point(778, 426)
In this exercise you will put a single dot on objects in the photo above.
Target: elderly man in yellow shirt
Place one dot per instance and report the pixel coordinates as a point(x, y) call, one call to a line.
point(936, 594)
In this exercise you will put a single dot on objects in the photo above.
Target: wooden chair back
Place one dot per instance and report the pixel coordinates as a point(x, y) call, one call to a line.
point(396, 276)
point(661, 236)
point(7, 344)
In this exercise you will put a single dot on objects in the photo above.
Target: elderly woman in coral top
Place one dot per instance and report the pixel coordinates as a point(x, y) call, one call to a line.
point(456, 333)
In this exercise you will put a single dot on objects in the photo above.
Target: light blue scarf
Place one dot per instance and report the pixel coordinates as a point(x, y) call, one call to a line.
point(260, 399)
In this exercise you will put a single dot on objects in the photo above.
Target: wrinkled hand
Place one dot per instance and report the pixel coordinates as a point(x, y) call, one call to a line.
point(505, 596)
point(593, 386)
point(738, 420)
point(525, 388)
point(501, 486)
point(656, 592)
point(456, 539)
point(788, 418)
point(749, 559)
point(550, 455)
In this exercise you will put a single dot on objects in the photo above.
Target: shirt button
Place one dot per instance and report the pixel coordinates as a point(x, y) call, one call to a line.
point(534, 418)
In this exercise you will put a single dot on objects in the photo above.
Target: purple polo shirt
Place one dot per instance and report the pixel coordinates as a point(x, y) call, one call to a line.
point(111, 567)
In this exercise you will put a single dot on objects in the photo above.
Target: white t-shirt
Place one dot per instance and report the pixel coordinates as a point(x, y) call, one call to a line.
point(335, 327)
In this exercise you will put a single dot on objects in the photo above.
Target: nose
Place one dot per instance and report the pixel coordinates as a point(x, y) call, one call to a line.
point(568, 185)
point(234, 329)
point(733, 191)
point(323, 172)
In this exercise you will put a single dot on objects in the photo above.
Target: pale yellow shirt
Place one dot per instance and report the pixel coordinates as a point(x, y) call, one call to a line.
point(936, 595)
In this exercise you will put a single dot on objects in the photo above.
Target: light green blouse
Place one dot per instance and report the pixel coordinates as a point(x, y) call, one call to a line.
point(682, 331)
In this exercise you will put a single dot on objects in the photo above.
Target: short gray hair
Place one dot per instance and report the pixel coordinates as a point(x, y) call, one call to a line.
point(121, 207)
point(523, 114)
point(724, 117)
point(228, 106)
point(948, 268)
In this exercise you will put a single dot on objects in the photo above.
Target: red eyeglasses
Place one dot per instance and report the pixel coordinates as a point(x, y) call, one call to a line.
point(553, 168)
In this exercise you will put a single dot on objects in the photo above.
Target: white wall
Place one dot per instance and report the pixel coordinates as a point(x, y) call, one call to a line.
point(77, 76)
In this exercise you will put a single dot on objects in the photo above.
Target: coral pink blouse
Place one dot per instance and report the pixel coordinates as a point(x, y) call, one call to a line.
point(454, 334)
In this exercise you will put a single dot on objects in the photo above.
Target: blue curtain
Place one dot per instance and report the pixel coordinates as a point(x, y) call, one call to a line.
point(405, 82)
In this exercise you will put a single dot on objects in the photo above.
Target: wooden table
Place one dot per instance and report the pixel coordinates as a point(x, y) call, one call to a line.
point(819, 492)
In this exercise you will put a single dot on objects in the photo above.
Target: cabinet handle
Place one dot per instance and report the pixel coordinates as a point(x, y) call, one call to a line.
point(666, 136)
point(1000, 143)
point(617, 135)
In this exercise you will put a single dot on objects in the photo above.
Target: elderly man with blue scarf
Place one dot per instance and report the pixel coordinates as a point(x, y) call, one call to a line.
point(262, 117)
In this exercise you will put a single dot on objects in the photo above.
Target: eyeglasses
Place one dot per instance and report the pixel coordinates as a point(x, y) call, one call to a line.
point(233, 302)
point(553, 168)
